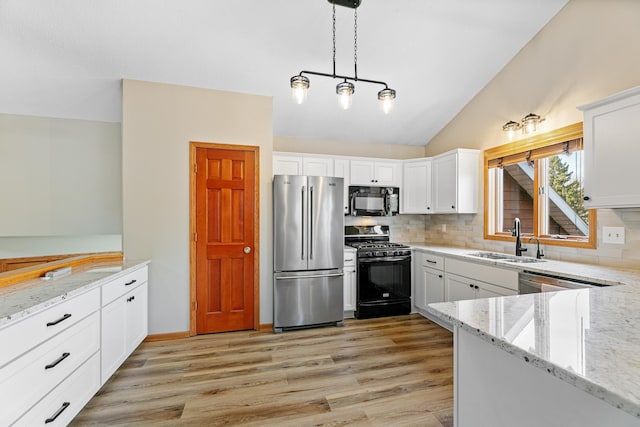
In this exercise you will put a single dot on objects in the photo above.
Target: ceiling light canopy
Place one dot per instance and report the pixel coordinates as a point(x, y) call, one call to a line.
point(345, 89)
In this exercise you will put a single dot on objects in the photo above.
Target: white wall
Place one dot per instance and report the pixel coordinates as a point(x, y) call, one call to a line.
point(60, 177)
point(159, 121)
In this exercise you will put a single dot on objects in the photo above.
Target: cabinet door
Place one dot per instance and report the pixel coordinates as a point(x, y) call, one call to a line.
point(459, 288)
point(445, 183)
point(416, 187)
point(113, 346)
point(287, 165)
point(362, 172)
point(341, 170)
point(349, 288)
point(317, 166)
point(387, 174)
point(611, 152)
point(434, 285)
point(136, 322)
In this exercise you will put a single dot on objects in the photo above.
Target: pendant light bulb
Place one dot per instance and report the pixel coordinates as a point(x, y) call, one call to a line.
point(511, 127)
point(530, 122)
point(386, 97)
point(299, 88)
point(344, 91)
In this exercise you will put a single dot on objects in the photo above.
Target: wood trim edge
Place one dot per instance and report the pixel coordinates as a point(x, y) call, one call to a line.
point(265, 327)
point(27, 273)
point(167, 336)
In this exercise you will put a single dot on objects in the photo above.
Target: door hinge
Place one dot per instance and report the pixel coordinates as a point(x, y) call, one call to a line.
point(195, 168)
point(195, 236)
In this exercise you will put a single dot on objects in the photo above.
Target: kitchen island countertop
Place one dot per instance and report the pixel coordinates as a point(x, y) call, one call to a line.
point(588, 338)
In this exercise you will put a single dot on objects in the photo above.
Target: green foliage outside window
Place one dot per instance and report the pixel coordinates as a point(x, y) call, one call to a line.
point(562, 180)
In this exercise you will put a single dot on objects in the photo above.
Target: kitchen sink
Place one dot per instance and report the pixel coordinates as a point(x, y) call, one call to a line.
point(490, 255)
point(523, 260)
point(496, 256)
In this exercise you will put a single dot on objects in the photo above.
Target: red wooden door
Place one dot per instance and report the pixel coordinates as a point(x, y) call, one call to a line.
point(225, 207)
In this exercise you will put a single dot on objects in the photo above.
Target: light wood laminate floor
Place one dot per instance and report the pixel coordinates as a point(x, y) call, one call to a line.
point(395, 371)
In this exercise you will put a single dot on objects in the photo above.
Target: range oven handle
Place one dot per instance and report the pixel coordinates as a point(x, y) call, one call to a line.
point(389, 258)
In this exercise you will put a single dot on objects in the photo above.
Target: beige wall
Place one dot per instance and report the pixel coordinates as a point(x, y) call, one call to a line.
point(590, 50)
point(158, 122)
point(343, 148)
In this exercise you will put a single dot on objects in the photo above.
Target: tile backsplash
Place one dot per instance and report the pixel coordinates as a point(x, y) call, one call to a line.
point(467, 231)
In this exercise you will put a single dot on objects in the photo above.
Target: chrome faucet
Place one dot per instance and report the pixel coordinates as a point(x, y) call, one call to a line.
point(516, 233)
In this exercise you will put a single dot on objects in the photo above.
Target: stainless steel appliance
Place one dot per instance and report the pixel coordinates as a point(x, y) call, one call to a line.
point(531, 283)
point(384, 272)
point(374, 201)
point(308, 220)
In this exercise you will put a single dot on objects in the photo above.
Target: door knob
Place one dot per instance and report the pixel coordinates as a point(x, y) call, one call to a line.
point(247, 250)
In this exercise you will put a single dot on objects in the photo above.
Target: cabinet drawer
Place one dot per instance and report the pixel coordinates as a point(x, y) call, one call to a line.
point(67, 399)
point(122, 285)
point(485, 273)
point(20, 337)
point(349, 258)
point(432, 261)
point(29, 378)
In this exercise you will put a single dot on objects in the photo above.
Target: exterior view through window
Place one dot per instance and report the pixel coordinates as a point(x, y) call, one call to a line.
point(539, 180)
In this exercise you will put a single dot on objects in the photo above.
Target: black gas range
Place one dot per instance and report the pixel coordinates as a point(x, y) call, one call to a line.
point(384, 272)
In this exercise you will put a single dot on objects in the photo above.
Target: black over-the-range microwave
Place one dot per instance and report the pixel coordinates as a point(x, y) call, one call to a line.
point(373, 201)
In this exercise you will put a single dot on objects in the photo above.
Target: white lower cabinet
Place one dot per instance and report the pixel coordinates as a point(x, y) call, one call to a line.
point(349, 284)
point(124, 324)
point(469, 280)
point(428, 279)
point(65, 402)
point(53, 361)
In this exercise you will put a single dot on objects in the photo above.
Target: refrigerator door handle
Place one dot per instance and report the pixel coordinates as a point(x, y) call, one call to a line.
point(312, 276)
point(311, 219)
point(302, 222)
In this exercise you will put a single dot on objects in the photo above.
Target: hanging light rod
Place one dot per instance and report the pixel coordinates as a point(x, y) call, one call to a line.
point(300, 83)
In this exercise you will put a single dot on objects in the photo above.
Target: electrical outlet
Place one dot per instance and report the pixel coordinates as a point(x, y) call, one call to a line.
point(613, 235)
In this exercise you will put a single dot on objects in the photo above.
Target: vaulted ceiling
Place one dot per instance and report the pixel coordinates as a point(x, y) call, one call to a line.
point(65, 58)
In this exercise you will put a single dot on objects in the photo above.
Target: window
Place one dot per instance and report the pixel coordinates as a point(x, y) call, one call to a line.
point(539, 180)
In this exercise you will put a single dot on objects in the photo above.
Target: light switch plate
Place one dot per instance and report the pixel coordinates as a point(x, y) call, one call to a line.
point(613, 235)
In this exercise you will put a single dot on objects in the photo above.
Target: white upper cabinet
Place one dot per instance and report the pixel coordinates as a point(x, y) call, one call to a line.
point(455, 181)
point(416, 186)
point(287, 164)
point(317, 166)
point(299, 164)
point(611, 129)
point(375, 173)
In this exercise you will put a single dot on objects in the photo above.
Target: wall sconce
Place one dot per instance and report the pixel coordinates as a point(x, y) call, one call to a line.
point(528, 124)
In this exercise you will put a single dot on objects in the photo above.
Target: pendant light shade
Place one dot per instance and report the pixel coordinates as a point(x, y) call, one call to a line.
point(299, 88)
point(344, 91)
point(386, 97)
point(530, 122)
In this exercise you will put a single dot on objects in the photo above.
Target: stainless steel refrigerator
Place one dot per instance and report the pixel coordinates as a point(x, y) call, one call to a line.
point(308, 243)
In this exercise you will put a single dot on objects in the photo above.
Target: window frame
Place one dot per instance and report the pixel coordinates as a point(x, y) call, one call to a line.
point(561, 135)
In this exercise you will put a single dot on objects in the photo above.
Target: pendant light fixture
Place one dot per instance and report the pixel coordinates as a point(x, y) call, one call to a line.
point(345, 89)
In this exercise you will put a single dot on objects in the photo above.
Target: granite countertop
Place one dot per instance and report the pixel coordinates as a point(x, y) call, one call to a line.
point(22, 299)
point(587, 337)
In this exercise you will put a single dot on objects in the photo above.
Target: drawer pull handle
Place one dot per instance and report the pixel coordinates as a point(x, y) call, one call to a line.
point(58, 360)
point(131, 282)
point(53, 417)
point(348, 260)
point(432, 262)
point(63, 318)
